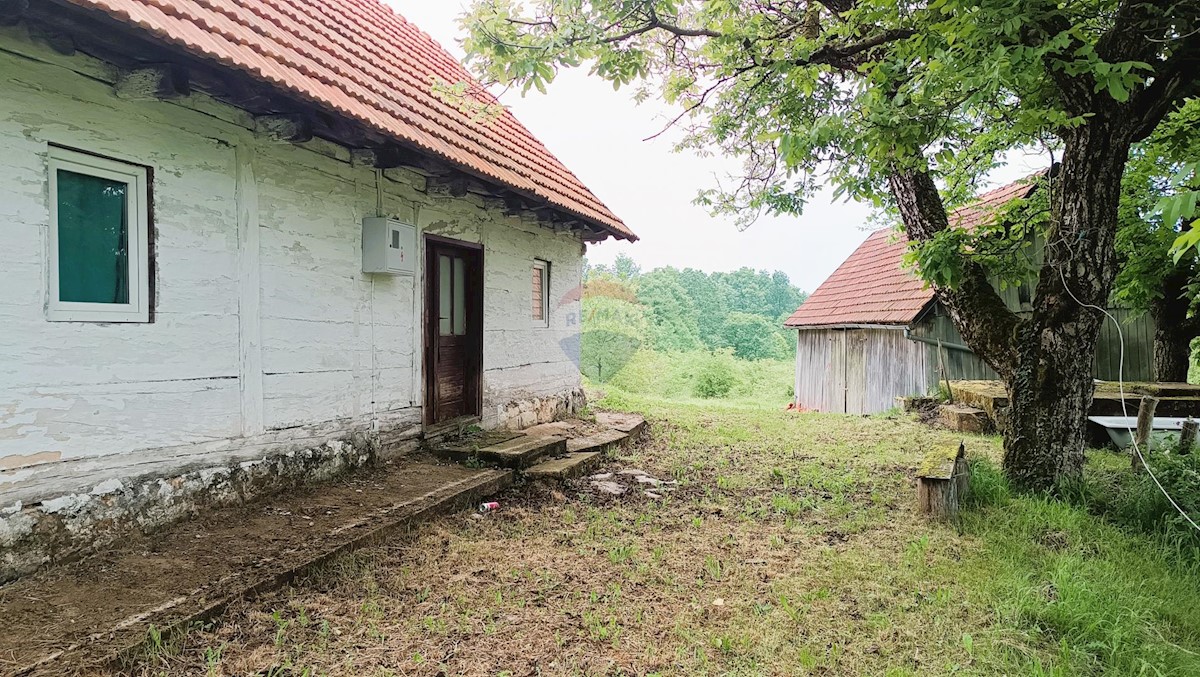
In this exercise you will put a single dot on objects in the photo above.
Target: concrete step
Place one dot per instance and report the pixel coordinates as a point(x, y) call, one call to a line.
point(520, 452)
point(630, 424)
point(601, 441)
point(565, 467)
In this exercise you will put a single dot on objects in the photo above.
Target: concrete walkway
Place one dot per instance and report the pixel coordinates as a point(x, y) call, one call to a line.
point(71, 619)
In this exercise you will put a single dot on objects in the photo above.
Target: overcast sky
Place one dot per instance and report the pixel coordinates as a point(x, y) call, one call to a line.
point(598, 134)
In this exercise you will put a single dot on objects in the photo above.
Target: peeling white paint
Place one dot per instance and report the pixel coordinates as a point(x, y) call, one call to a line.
point(107, 487)
point(68, 503)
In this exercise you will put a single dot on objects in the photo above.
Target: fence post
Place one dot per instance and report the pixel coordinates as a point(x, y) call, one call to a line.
point(1145, 424)
point(1187, 435)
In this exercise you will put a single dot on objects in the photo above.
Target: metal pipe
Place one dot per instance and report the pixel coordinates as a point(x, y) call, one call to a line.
point(935, 342)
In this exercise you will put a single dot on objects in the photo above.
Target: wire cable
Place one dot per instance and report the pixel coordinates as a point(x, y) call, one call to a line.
point(1121, 390)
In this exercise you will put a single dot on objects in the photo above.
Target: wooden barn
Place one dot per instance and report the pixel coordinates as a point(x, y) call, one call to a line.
point(873, 331)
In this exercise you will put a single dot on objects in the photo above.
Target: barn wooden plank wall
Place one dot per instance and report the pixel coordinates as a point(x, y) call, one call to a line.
point(1137, 330)
point(857, 371)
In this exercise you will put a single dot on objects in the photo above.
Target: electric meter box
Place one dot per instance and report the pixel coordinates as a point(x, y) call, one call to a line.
point(389, 246)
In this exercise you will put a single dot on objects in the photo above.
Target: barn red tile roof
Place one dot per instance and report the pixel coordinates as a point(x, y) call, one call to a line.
point(359, 59)
point(874, 287)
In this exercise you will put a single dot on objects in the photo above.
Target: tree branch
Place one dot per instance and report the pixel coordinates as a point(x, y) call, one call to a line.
point(1174, 82)
point(655, 23)
point(987, 325)
point(843, 56)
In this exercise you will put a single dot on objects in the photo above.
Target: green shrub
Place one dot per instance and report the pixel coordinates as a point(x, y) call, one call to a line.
point(715, 377)
point(1133, 499)
point(678, 376)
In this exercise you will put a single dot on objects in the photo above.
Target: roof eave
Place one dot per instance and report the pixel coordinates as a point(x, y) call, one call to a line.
point(141, 45)
point(849, 325)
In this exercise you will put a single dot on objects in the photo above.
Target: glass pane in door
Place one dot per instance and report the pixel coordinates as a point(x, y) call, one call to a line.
point(444, 295)
point(460, 297)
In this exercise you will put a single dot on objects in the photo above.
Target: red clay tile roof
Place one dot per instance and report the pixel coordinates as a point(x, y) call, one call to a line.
point(874, 287)
point(359, 59)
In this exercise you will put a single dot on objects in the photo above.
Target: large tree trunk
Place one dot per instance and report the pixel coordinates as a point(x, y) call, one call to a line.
point(1045, 360)
point(1049, 397)
point(1051, 388)
point(1173, 329)
point(1172, 355)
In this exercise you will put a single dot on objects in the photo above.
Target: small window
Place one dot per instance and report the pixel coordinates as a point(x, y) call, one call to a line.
point(99, 240)
point(541, 293)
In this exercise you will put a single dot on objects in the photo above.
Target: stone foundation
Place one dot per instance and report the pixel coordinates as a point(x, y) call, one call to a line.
point(69, 526)
point(526, 413)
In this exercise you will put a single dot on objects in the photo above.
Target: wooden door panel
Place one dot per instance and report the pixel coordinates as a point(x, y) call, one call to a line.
point(453, 331)
point(856, 372)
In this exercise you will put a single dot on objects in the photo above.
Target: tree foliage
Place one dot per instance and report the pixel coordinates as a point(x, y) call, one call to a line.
point(614, 331)
point(1147, 232)
point(689, 310)
point(907, 106)
point(753, 337)
point(673, 326)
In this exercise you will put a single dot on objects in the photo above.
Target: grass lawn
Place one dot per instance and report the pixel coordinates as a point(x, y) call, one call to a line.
point(791, 546)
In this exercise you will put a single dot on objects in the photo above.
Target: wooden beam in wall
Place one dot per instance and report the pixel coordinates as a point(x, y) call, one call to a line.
point(153, 81)
point(11, 11)
point(286, 128)
point(454, 185)
point(391, 156)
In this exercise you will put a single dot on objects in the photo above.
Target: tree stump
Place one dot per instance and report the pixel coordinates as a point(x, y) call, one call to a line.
point(943, 481)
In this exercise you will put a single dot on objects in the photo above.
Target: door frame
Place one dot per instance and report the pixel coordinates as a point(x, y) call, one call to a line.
point(473, 253)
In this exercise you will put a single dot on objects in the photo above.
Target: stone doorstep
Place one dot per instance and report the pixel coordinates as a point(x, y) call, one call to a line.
point(520, 452)
point(601, 441)
point(630, 424)
point(566, 467)
point(178, 614)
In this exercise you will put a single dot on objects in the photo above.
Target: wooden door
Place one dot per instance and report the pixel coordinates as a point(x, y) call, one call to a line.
point(835, 374)
point(453, 330)
point(856, 371)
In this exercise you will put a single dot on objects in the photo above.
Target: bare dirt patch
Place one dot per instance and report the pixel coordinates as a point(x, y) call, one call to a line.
point(86, 610)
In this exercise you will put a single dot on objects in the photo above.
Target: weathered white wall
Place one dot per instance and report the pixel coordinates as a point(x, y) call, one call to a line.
point(265, 331)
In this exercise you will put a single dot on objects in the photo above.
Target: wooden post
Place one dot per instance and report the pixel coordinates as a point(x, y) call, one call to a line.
point(942, 368)
point(1145, 424)
point(1187, 435)
point(942, 482)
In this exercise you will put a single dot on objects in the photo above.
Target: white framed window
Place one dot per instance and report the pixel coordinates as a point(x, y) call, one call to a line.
point(541, 293)
point(99, 239)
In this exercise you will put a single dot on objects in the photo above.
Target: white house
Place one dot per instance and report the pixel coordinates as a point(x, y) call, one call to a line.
point(258, 241)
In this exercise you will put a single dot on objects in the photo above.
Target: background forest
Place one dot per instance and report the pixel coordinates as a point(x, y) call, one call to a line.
point(687, 333)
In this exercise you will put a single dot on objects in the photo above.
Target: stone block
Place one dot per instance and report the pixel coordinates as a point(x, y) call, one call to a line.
point(964, 419)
